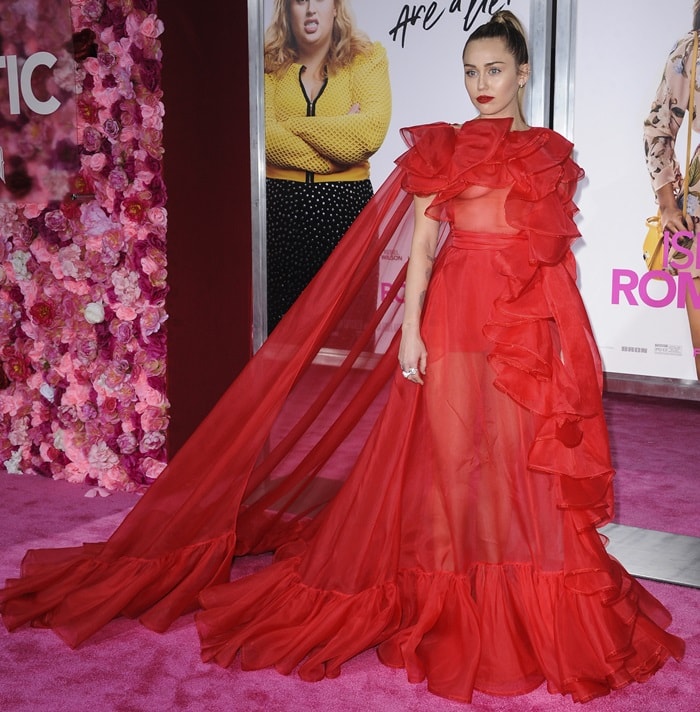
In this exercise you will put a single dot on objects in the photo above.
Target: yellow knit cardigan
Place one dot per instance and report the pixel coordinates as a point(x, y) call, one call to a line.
point(330, 145)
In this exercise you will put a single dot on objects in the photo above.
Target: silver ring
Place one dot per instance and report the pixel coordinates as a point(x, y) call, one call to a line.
point(409, 372)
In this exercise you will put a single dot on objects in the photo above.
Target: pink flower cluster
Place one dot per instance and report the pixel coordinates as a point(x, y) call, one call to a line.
point(83, 281)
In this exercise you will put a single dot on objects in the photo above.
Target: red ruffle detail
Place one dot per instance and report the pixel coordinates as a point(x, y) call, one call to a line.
point(501, 630)
point(444, 160)
point(546, 360)
point(76, 591)
point(487, 572)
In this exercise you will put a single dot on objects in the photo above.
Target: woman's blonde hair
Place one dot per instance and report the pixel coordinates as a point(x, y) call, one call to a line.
point(347, 42)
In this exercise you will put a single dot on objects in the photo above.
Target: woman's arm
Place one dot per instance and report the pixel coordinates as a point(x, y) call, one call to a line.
point(354, 136)
point(412, 351)
point(661, 128)
point(282, 147)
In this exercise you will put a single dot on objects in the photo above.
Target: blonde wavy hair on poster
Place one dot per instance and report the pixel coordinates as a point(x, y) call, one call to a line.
point(347, 42)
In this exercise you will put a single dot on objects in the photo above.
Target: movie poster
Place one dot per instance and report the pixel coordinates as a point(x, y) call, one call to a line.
point(620, 54)
point(423, 45)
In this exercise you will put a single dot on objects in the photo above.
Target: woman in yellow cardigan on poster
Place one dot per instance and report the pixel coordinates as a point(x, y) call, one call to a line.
point(327, 110)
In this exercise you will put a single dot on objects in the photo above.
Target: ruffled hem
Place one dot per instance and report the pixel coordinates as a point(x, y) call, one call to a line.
point(75, 591)
point(502, 630)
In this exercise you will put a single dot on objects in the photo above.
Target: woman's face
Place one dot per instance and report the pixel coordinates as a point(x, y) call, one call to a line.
point(311, 22)
point(492, 78)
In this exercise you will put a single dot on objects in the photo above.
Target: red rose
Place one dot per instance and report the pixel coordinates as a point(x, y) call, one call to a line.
point(17, 368)
point(88, 111)
point(134, 209)
point(43, 313)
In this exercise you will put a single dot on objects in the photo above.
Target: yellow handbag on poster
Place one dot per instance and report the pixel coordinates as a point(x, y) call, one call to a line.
point(653, 246)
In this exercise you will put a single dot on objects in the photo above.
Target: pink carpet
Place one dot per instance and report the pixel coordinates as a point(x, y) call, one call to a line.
point(129, 669)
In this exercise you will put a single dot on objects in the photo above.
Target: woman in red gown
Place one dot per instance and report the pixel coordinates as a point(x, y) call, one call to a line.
point(445, 511)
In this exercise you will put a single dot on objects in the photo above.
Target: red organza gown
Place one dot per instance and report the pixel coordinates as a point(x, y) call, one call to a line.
point(453, 525)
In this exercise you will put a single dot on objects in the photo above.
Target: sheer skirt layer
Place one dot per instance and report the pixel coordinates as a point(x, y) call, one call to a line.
point(452, 526)
point(451, 547)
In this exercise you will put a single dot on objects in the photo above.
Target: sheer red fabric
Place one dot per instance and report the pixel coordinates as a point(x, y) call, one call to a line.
point(453, 526)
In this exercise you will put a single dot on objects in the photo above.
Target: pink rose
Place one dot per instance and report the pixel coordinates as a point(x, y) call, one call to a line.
point(151, 442)
point(158, 216)
point(152, 27)
point(152, 468)
point(127, 443)
point(115, 478)
point(96, 162)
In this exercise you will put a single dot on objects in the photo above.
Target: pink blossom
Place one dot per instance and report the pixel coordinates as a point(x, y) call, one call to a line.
point(91, 66)
point(152, 468)
point(67, 263)
point(31, 210)
point(86, 352)
point(151, 365)
point(123, 331)
point(154, 419)
point(91, 138)
point(151, 442)
point(75, 472)
point(152, 27)
point(121, 51)
point(126, 286)
point(101, 457)
point(115, 478)
point(94, 219)
point(127, 443)
point(125, 313)
point(118, 179)
point(55, 220)
point(76, 395)
point(67, 415)
point(95, 162)
point(48, 452)
point(158, 216)
point(151, 320)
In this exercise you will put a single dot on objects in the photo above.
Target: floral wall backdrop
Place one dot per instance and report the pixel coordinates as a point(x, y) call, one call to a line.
point(83, 279)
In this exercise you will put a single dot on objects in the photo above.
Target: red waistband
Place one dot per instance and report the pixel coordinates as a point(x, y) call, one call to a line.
point(465, 240)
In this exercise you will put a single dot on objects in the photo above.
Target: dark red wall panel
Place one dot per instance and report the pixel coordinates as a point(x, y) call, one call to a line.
point(207, 173)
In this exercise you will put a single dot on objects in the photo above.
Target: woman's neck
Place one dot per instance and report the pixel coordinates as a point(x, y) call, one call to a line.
point(314, 59)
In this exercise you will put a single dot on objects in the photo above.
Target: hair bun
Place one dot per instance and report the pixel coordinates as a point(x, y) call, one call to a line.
point(508, 20)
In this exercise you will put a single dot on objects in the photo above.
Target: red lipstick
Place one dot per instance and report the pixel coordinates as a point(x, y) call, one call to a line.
point(483, 99)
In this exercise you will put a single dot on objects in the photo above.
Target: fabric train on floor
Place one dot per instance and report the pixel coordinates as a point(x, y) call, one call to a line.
point(452, 525)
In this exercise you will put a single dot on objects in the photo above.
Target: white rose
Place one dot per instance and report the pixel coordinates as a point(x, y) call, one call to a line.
point(12, 465)
point(19, 261)
point(58, 440)
point(94, 313)
point(47, 391)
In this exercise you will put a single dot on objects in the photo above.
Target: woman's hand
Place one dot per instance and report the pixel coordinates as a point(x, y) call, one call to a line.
point(672, 219)
point(671, 215)
point(413, 354)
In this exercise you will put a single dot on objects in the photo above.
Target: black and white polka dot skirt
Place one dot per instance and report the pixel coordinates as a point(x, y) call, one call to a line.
point(305, 222)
